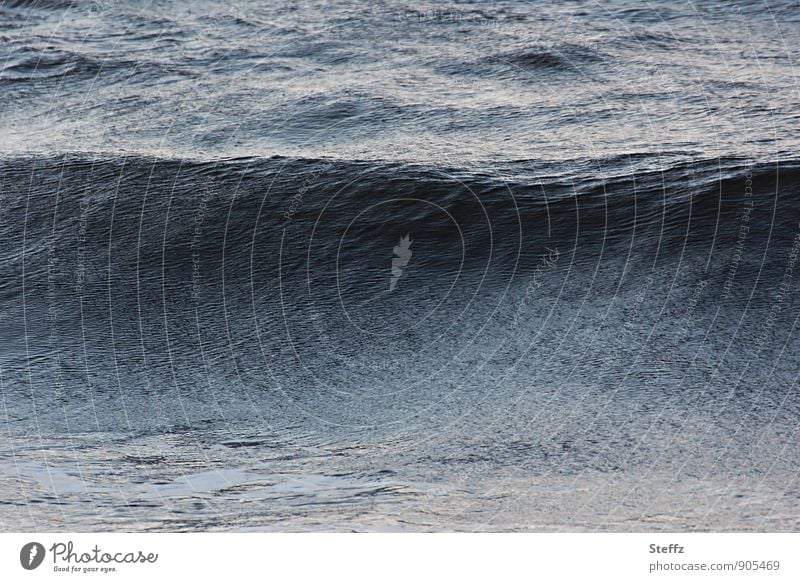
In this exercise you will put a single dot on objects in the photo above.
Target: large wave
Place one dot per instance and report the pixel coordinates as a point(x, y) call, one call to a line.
point(274, 274)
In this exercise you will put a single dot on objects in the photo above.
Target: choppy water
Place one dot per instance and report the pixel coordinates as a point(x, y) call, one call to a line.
point(210, 320)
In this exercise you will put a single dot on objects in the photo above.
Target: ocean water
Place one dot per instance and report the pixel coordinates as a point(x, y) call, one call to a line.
point(329, 266)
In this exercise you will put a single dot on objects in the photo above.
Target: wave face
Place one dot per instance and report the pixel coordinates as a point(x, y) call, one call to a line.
point(345, 267)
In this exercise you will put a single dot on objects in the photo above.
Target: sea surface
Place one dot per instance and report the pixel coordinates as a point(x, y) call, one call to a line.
point(399, 266)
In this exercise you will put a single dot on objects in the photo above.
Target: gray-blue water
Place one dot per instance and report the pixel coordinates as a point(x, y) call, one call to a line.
point(317, 265)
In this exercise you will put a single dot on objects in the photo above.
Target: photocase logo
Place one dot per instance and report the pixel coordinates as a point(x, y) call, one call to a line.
point(32, 555)
point(403, 255)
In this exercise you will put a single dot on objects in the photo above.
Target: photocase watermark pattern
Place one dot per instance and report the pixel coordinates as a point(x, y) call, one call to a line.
point(308, 182)
point(197, 235)
point(742, 235)
point(463, 18)
point(546, 262)
point(402, 256)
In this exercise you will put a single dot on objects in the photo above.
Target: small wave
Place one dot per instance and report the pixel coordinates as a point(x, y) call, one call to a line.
point(565, 57)
point(31, 64)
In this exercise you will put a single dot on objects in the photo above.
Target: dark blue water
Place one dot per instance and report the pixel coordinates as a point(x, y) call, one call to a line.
point(449, 266)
